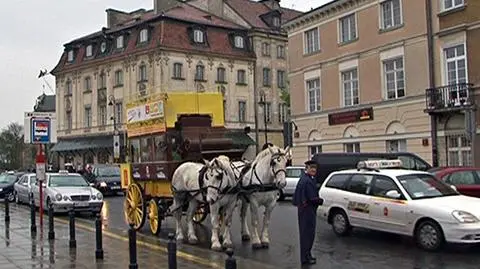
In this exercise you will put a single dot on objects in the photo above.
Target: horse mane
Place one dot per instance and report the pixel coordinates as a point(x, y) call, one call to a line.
point(224, 163)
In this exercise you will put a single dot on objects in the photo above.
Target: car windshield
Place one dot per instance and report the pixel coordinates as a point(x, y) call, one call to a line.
point(67, 181)
point(294, 172)
point(7, 179)
point(421, 186)
point(111, 171)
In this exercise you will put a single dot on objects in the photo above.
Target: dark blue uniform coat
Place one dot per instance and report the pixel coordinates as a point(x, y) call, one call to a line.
point(307, 201)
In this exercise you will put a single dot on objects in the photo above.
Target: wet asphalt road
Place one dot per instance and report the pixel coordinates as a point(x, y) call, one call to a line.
point(363, 249)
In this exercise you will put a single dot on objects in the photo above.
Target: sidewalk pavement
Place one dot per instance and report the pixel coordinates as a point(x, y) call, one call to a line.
point(19, 250)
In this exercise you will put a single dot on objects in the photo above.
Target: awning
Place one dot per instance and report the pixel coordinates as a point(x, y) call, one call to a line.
point(85, 143)
point(240, 139)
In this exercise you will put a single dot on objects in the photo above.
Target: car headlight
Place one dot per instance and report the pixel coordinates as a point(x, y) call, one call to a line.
point(103, 184)
point(99, 196)
point(58, 197)
point(66, 198)
point(1, 189)
point(464, 217)
point(94, 197)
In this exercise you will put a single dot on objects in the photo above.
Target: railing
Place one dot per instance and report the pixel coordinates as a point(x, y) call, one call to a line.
point(450, 97)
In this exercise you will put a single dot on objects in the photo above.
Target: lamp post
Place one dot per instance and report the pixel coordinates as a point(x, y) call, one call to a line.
point(263, 103)
point(116, 137)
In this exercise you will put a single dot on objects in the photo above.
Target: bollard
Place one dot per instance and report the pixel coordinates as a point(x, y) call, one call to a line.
point(230, 262)
point(73, 242)
point(172, 251)
point(51, 231)
point(7, 209)
point(98, 236)
point(33, 226)
point(132, 247)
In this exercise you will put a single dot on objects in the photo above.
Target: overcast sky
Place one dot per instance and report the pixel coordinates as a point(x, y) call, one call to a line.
point(33, 34)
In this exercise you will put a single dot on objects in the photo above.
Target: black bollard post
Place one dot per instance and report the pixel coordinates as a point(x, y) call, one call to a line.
point(132, 247)
point(172, 251)
point(7, 209)
point(230, 262)
point(98, 236)
point(51, 231)
point(73, 242)
point(33, 226)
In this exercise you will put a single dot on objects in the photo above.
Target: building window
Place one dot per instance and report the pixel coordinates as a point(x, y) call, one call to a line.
point(276, 21)
point(312, 41)
point(239, 42)
point(89, 51)
point(200, 72)
point(314, 150)
point(391, 14)
point(69, 88)
point(350, 87)
point(394, 78)
point(70, 55)
point(143, 35)
point(221, 74)
point(396, 145)
point(177, 70)
point(120, 42)
point(313, 89)
point(280, 52)
point(268, 109)
point(102, 115)
point(351, 147)
point(348, 28)
point(459, 151)
point(281, 78)
point(102, 81)
point(456, 65)
point(282, 112)
point(265, 49)
point(119, 113)
point(88, 117)
point(118, 78)
point(87, 84)
point(266, 77)
point(241, 77)
point(142, 73)
point(68, 120)
point(198, 36)
point(242, 111)
point(451, 4)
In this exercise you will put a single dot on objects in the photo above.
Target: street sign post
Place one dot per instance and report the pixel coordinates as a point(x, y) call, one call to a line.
point(41, 175)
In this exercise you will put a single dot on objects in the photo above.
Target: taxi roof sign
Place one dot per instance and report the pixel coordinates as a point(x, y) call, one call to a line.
point(379, 164)
point(63, 172)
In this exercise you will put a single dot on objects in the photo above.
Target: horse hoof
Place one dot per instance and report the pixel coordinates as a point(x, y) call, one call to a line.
point(265, 245)
point(193, 241)
point(245, 237)
point(217, 247)
point(257, 246)
point(227, 245)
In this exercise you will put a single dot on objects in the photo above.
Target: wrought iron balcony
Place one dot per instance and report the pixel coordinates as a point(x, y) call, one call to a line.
point(449, 98)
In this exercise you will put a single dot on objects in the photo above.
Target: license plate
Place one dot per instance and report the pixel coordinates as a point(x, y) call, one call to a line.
point(115, 187)
point(81, 204)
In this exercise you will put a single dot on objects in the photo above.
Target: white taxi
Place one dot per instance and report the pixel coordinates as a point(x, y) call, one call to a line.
point(380, 195)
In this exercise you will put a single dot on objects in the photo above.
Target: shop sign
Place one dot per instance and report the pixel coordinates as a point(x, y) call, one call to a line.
point(364, 114)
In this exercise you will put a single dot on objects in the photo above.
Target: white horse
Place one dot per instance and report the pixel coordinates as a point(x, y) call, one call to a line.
point(222, 198)
point(260, 181)
point(190, 183)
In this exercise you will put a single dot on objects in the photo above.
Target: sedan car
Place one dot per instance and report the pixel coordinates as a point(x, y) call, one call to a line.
point(7, 180)
point(465, 179)
point(23, 188)
point(64, 191)
point(293, 175)
point(106, 178)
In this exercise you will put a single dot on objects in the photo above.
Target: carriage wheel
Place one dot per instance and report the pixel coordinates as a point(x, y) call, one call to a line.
point(154, 216)
point(201, 213)
point(134, 206)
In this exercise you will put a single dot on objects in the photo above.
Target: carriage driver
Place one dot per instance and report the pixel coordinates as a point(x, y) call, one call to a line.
point(306, 200)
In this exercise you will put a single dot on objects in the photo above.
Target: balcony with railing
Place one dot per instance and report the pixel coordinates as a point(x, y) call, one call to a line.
point(455, 97)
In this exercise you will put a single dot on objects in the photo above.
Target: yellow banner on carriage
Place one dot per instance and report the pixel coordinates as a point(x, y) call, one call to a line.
point(146, 116)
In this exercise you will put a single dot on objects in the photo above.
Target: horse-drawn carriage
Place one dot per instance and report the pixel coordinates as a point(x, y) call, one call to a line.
point(164, 131)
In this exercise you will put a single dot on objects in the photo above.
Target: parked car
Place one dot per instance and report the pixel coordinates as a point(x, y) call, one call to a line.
point(7, 180)
point(465, 179)
point(336, 161)
point(23, 188)
point(106, 178)
point(293, 175)
point(64, 191)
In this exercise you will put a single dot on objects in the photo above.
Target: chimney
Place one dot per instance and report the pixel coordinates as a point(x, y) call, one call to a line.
point(115, 17)
point(160, 6)
point(216, 7)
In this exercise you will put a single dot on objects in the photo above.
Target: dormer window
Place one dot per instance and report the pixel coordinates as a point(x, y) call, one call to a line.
point(89, 51)
point(239, 42)
point(103, 47)
point(276, 21)
point(70, 56)
point(198, 36)
point(143, 35)
point(120, 42)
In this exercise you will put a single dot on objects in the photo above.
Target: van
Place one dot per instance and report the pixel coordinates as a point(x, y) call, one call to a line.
point(335, 161)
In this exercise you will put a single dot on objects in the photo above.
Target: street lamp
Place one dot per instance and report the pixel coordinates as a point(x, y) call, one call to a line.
point(116, 137)
point(264, 104)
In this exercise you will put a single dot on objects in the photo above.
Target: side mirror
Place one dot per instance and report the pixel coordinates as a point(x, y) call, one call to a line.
point(394, 194)
point(453, 187)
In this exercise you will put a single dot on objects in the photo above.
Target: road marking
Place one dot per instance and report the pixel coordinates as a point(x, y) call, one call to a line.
point(181, 254)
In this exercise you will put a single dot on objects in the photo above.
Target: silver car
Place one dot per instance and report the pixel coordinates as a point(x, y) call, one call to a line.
point(23, 188)
point(293, 175)
point(65, 190)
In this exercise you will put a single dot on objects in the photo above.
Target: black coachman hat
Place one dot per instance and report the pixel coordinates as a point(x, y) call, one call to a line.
point(311, 162)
